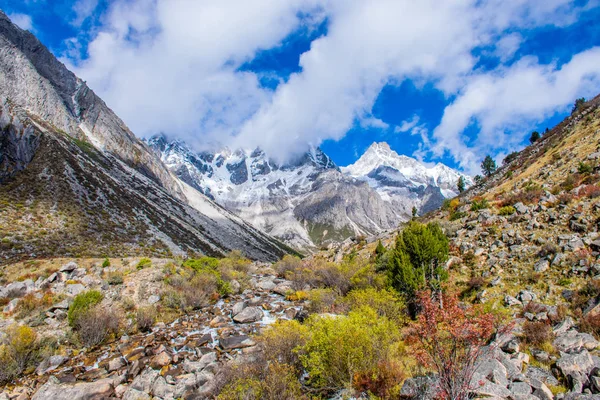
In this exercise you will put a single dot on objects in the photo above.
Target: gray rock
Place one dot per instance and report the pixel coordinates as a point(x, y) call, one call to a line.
point(75, 289)
point(52, 390)
point(521, 208)
point(541, 265)
point(236, 342)
point(575, 364)
point(573, 340)
point(153, 299)
point(134, 394)
point(238, 308)
point(69, 267)
point(144, 381)
point(249, 314)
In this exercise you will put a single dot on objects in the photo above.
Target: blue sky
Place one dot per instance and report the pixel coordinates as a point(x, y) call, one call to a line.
point(444, 82)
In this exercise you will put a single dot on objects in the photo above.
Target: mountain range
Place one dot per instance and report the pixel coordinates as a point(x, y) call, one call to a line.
point(70, 163)
point(71, 166)
point(310, 202)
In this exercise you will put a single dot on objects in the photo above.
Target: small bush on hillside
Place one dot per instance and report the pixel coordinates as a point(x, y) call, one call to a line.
point(340, 348)
point(451, 340)
point(537, 333)
point(287, 264)
point(18, 351)
point(97, 324)
point(456, 215)
point(275, 381)
point(590, 191)
point(479, 204)
point(144, 263)
point(506, 210)
point(322, 300)
point(83, 302)
point(584, 168)
point(548, 249)
point(145, 318)
point(106, 263)
point(283, 342)
point(115, 278)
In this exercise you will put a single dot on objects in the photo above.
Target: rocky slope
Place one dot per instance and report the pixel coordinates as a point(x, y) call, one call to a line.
point(311, 202)
point(75, 180)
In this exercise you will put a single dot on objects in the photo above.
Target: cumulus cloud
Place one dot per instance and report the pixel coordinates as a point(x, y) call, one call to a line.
point(173, 66)
point(23, 21)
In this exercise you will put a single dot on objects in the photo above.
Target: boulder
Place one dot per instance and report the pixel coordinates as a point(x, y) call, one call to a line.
point(249, 314)
point(69, 267)
point(236, 342)
point(161, 360)
point(575, 364)
point(98, 390)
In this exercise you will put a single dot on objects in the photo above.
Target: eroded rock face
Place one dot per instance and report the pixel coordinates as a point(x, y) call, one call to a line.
point(18, 145)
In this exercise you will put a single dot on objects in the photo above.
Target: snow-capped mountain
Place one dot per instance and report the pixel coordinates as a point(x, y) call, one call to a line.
point(310, 201)
point(404, 181)
point(306, 202)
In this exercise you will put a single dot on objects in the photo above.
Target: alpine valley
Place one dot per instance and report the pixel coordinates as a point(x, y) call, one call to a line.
point(310, 202)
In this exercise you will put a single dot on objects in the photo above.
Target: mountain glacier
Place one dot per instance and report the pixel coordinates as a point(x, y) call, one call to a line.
point(309, 201)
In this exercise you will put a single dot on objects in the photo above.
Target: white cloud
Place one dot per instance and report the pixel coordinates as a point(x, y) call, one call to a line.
point(172, 66)
point(507, 102)
point(407, 125)
point(23, 21)
point(83, 9)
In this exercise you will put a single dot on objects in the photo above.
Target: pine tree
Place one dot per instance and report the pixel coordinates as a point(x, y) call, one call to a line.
point(578, 104)
point(460, 185)
point(414, 211)
point(379, 250)
point(488, 166)
point(418, 258)
point(535, 136)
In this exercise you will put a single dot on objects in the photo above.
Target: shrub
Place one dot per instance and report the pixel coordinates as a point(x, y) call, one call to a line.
point(387, 303)
point(145, 318)
point(475, 284)
point(144, 263)
point(283, 342)
point(510, 157)
point(506, 210)
point(339, 348)
point(590, 191)
point(106, 263)
point(322, 300)
point(276, 381)
point(537, 333)
point(83, 302)
point(479, 204)
point(115, 278)
point(96, 324)
point(385, 384)
point(287, 264)
point(18, 351)
point(202, 264)
point(548, 249)
point(584, 168)
point(457, 215)
point(451, 340)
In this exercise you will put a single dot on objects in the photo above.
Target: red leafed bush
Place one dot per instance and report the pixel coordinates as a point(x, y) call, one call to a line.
point(452, 341)
point(590, 191)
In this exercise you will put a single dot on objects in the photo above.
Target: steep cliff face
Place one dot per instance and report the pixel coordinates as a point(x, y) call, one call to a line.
point(33, 79)
point(74, 180)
